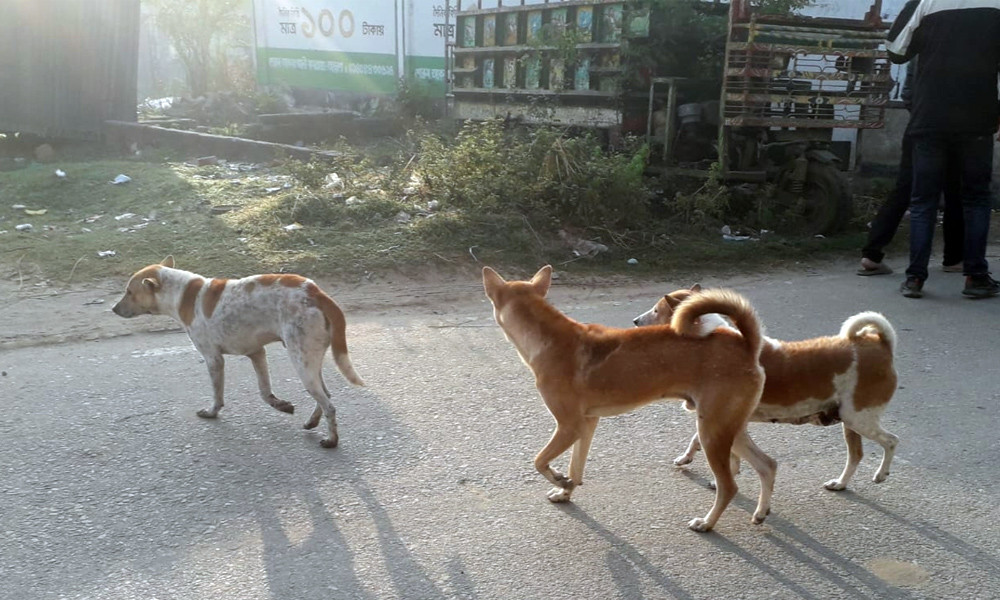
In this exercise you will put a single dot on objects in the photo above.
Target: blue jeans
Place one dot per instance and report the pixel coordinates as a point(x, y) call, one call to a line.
point(886, 221)
point(973, 157)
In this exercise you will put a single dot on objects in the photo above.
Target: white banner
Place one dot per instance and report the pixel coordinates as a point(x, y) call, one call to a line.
point(349, 26)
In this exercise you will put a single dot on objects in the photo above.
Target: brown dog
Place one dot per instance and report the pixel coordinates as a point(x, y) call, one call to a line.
point(241, 316)
point(585, 372)
point(846, 378)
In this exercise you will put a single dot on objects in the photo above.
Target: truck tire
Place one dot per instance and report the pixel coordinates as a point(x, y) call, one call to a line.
point(824, 205)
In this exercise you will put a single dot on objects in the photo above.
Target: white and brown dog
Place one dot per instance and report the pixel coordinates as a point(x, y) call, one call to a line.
point(585, 372)
point(848, 378)
point(241, 316)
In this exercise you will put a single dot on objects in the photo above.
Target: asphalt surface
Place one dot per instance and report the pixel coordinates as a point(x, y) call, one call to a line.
point(114, 489)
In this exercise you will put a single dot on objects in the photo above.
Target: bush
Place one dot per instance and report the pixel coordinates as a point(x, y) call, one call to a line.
point(539, 173)
point(418, 98)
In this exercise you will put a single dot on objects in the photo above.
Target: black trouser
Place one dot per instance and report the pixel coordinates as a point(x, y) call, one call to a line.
point(934, 161)
point(886, 221)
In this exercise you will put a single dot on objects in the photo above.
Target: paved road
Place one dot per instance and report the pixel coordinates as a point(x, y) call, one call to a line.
point(114, 489)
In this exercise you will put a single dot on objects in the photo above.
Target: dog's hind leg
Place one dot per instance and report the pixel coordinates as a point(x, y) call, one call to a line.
point(717, 442)
point(314, 418)
point(318, 411)
point(562, 438)
point(259, 360)
point(743, 447)
point(871, 429)
point(217, 372)
point(692, 449)
point(855, 452)
point(309, 366)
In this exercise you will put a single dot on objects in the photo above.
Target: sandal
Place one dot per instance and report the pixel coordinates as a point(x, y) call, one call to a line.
point(878, 269)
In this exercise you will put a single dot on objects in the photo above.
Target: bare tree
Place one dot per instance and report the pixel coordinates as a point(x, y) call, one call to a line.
point(202, 32)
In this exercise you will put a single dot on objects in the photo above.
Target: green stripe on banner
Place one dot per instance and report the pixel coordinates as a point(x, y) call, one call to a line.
point(428, 69)
point(341, 71)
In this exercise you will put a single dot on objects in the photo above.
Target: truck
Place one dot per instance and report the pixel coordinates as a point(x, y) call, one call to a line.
point(716, 88)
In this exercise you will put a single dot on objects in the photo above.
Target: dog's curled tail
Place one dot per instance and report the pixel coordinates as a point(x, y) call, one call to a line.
point(338, 342)
point(855, 325)
point(725, 302)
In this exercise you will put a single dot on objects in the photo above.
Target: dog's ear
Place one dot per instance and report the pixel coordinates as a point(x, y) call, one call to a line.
point(696, 287)
point(673, 302)
point(168, 262)
point(151, 283)
point(491, 282)
point(542, 280)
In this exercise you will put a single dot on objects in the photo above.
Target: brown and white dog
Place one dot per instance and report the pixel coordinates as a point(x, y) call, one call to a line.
point(241, 316)
point(585, 372)
point(847, 378)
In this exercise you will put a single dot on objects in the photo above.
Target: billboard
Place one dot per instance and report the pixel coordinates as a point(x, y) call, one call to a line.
point(360, 46)
point(426, 25)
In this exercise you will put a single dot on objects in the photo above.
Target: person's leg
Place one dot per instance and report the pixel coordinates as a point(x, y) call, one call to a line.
point(976, 155)
point(929, 161)
point(889, 215)
point(954, 219)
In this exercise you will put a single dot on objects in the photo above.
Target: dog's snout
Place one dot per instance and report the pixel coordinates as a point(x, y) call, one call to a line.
point(635, 321)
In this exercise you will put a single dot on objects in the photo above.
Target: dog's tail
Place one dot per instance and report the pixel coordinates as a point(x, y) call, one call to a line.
point(725, 302)
point(870, 320)
point(338, 343)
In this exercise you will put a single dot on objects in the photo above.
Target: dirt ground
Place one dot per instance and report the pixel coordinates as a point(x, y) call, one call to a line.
point(39, 314)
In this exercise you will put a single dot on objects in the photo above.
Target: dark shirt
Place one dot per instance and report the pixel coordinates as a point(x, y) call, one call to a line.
point(958, 43)
point(907, 94)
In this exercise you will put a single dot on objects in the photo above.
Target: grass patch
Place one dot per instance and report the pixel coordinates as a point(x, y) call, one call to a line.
point(434, 200)
point(169, 211)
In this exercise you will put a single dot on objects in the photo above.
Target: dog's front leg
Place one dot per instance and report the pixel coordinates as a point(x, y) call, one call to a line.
point(217, 371)
point(580, 450)
point(259, 360)
point(692, 449)
point(562, 439)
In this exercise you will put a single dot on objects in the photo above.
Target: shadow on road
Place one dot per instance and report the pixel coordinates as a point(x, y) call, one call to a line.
point(944, 540)
point(796, 538)
point(626, 559)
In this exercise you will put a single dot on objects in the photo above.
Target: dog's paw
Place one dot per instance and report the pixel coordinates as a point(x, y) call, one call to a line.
point(330, 442)
point(759, 516)
point(559, 495)
point(834, 485)
point(683, 459)
point(311, 423)
point(700, 525)
point(880, 477)
point(282, 405)
point(207, 413)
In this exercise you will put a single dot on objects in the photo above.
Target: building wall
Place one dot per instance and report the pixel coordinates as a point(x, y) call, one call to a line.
point(67, 66)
